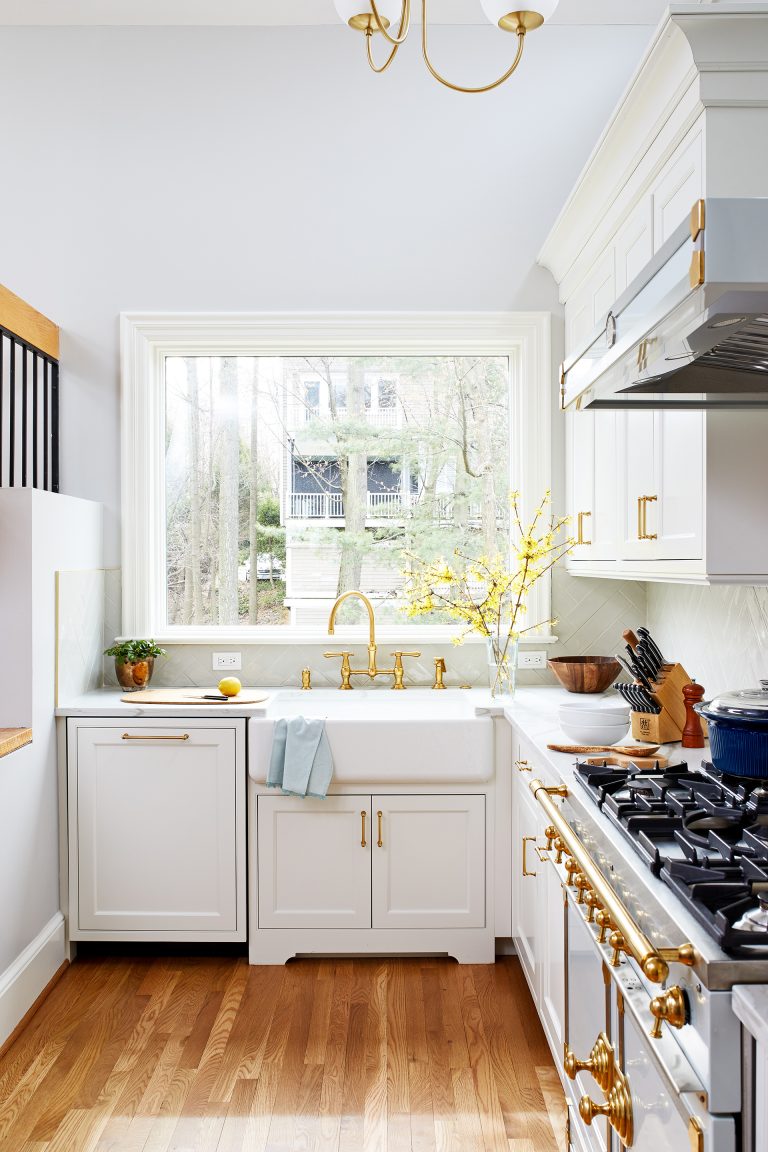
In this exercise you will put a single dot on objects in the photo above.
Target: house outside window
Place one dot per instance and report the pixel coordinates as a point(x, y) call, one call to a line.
point(281, 480)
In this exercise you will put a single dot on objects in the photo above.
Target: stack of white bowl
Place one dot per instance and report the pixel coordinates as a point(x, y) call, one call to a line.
point(604, 721)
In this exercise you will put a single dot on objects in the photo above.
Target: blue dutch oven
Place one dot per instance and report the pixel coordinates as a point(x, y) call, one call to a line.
point(738, 731)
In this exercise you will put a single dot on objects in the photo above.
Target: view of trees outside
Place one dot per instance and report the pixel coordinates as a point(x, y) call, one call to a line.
point(290, 480)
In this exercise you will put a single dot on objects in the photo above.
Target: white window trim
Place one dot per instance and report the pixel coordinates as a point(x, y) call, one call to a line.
point(148, 338)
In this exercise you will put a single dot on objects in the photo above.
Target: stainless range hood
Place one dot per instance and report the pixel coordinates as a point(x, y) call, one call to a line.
point(691, 330)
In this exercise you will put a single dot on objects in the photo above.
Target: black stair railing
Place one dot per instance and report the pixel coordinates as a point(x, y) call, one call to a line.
point(29, 415)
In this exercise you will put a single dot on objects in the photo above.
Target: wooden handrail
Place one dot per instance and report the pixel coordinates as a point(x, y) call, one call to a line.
point(24, 321)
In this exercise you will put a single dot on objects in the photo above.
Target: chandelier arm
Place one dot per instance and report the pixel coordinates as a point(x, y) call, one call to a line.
point(403, 30)
point(379, 67)
point(458, 87)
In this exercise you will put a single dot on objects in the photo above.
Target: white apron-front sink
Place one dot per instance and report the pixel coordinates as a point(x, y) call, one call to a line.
point(387, 737)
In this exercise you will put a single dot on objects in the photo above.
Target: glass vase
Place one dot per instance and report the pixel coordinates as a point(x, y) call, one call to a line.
point(502, 667)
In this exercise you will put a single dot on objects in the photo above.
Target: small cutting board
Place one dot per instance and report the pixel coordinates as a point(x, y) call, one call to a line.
point(181, 697)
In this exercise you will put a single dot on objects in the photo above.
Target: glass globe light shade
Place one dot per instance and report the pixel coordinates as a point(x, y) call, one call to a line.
point(496, 10)
point(388, 10)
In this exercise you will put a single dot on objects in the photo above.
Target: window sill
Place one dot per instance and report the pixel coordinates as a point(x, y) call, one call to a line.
point(303, 636)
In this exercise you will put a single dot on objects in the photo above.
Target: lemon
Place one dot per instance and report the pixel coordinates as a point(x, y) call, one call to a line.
point(229, 686)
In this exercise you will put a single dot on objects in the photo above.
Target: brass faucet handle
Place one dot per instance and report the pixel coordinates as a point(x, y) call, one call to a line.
point(398, 669)
point(346, 669)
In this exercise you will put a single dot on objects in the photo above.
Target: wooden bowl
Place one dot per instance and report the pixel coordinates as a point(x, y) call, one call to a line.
point(585, 673)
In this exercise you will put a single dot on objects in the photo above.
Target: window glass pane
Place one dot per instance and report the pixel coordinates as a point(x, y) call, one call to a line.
point(289, 480)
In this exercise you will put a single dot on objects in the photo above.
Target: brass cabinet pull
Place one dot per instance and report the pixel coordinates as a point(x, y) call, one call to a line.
point(127, 736)
point(613, 916)
point(600, 1063)
point(523, 766)
point(526, 840)
point(580, 528)
point(379, 815)
point(642, 517)
point(617, 1108)
point(362, 829)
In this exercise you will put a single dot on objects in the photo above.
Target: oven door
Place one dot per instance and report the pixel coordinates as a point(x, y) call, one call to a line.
point(625, 1089)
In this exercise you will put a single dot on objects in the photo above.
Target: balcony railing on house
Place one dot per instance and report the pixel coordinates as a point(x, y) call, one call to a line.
point(374, 417)
point(29, 397)
point(386, 505)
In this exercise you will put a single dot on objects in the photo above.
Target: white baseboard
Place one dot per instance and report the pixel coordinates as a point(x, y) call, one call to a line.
point(24, 980)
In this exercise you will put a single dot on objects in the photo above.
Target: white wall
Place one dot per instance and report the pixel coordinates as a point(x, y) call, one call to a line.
point(254, 168)
point(48, 532)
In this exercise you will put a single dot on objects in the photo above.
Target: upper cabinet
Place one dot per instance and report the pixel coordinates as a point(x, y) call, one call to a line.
point(656, 492)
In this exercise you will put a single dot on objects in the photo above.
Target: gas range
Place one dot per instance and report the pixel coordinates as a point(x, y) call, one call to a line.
point(704, 834)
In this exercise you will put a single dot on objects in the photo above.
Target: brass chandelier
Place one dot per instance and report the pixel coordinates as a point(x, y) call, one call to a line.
point(377, 17)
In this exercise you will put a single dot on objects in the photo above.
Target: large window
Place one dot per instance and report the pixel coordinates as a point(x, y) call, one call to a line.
point(291, 459)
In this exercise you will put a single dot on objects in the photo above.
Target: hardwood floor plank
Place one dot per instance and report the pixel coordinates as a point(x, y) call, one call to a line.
point(233, 1131)
point(334, 1064)
point(398, 1096)
point(318, 1025)
point(248, 1040)
point(422, 1112)
point(375, 1110)
point(353, 1099)
point(443, 1101)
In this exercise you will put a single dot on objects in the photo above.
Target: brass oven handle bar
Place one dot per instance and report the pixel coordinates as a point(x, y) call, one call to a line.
point(127, 736)
point(654, 962)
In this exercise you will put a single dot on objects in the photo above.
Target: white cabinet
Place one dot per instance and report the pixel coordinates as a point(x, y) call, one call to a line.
point(371, 872)
point(156, 825)
point(592, 459)
point(662, 486)
point(314, 862)
point(538, 925)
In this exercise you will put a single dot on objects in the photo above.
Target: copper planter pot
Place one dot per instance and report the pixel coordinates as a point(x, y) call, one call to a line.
point(132, 677)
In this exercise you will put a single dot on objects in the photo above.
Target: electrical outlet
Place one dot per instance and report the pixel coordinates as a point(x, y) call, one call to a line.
point(528, 659)
point(229, 661)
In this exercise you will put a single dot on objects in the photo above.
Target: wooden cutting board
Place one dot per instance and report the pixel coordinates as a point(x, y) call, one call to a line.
point(181, 697)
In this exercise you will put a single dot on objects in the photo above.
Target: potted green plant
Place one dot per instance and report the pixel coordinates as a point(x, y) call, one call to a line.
point(134, 662)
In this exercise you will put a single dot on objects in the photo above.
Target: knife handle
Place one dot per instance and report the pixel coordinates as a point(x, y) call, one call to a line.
point(630, 638)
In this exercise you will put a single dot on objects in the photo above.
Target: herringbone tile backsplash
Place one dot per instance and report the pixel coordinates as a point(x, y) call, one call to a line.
point(719, 634)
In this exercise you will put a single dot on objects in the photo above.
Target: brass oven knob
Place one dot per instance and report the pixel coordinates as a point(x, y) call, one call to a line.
point(572, 869)
point(603, 921)
point(592, 901)
point(671, 1006)
point(582, 887)
point(551, 835)
point(600, 1063)
point(559, 849)
point(617, 1108)
point(619, 945)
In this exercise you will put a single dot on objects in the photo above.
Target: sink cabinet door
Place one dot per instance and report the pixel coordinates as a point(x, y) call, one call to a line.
point(429, 862)
point(314, 869)
point(156, 832)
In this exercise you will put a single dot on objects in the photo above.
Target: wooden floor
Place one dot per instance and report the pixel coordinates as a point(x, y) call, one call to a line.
point(171, 1054)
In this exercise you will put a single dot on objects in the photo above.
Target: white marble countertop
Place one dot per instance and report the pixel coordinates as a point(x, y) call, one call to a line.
point(109, 702)
point(750, 1003)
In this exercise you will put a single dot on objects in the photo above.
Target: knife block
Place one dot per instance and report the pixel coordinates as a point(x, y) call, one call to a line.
point(655, 728)
point(666, 727)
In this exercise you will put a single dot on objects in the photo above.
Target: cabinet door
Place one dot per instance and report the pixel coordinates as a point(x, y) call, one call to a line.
point(528, 876)
point(156, 828)
point(663, 485)
point(428, 861)
point(593, 502)
point(314, 862)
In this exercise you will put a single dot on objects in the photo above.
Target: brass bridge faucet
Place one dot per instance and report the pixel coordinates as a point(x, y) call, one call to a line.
point(347, 671)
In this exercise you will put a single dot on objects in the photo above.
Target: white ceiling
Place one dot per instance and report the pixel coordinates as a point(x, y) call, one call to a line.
point(291, 12)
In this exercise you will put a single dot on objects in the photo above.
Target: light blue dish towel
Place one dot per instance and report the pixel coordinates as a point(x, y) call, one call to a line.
point(301, 762)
